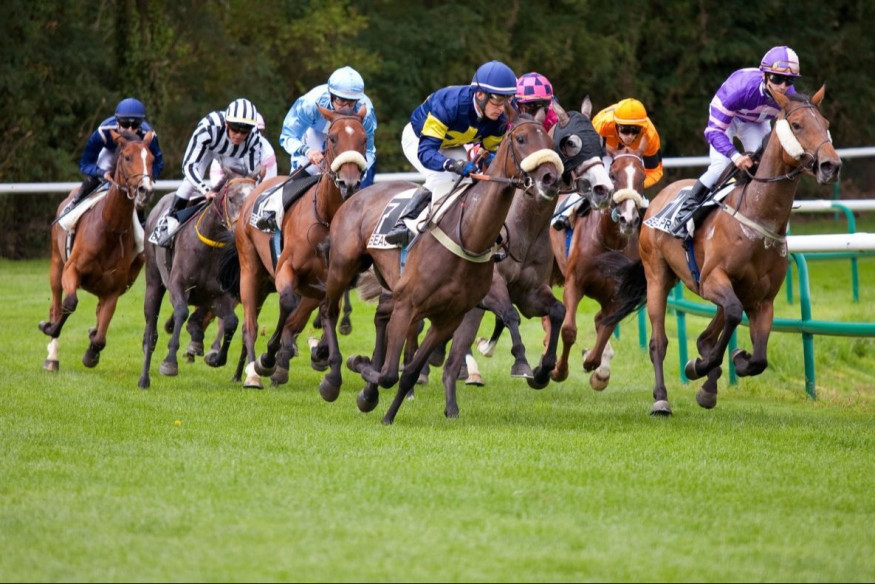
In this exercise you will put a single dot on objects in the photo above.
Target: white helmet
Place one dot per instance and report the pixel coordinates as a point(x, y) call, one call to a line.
point(241, 111)
point(346, 83)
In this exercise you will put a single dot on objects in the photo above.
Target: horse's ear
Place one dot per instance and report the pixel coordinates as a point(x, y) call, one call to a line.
point(148, 137)
point(326, 113)
point(586, 107)
point(642, 147)
point(510, 113)
point(560, 113)
point(116, 137)
point(781, 99)
point(818, 97)
point(362, 112)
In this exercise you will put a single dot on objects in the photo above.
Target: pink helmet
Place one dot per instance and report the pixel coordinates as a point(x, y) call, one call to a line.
point(533, 87)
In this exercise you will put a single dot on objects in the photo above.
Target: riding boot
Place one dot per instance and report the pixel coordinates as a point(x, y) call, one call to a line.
point(694, 199)
point(86, 188)
point(400, 235)
point(562, 220)
point(168, 224)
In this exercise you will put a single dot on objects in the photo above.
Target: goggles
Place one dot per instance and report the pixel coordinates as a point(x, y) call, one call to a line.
point(780, 79)
point(239, 128)
point(628, 129)
point(531, 107)
point(132, 123)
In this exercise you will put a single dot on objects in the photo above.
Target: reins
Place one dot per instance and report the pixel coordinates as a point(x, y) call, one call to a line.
point(223, 213)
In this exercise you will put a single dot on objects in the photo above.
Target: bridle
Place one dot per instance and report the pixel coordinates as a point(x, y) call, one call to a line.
point(221, 206)
point(124, 186)
point(326, 165)
point(810, 159)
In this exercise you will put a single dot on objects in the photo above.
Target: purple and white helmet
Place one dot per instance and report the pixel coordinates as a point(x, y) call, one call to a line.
point(782, 61)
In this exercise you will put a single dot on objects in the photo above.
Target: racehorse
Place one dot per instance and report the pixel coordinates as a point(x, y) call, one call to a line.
point(189, 271)
point(522, 279)
point(300, 270)
point(740, 252)
point(105, 256)
point(577, 252)
point(446, 271)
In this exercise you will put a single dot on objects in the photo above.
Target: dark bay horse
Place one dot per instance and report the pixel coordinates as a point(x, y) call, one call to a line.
point(189, 271)
point(522, 279)
point(106, 254)
point(740, 251)
point(577, 252)
point(300, 272)
point(445, 272)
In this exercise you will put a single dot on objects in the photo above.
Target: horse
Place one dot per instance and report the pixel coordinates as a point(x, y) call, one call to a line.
point(522, 279)
point(739, 254)
point(446, 271)
point(577, 253)
point(300, 270)
point(189, 271)
point(105, 255)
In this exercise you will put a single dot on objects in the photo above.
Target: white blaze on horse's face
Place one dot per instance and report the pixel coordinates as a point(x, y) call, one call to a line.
point(601, 185)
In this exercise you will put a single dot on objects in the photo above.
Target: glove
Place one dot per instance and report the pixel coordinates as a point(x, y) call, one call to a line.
point(462, 167)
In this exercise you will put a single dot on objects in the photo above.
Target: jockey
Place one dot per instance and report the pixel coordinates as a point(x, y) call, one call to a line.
point(97, 158)
point(268, 158)
point(304, 129)
point(534, 92)
point(622, 124)
point(448, 120)
point(742, 108)
point(230, 136)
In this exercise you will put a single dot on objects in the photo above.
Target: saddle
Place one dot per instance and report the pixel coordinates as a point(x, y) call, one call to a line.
point(292, 190)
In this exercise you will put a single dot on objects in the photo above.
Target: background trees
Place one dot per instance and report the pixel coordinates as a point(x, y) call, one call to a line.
point(66, 65)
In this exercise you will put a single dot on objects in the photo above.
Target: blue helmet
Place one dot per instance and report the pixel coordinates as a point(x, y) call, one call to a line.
point(130, 108)
point(346, 83)
point(782, 61)
point(495, 77)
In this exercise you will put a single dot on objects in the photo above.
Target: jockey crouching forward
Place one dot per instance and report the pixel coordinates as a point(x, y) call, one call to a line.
point(449, 119)
point(232, 137)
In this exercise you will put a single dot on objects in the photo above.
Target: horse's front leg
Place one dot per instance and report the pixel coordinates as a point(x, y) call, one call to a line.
point(296, 322)
point(657, 303)
point(463, 337)
point(369, 396)
point(170, 364)
point(196, 327)
point(593, 357)
point(555, 312)
point(288, 302)
point(760, 327)
point(227, 324)
point(718, 289)
point(105, 310)
point(571, 296)
point(151, 308)
point(346, 322)
point(51, 327)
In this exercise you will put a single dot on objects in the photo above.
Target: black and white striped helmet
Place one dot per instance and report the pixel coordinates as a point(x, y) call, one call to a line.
point(241, 111)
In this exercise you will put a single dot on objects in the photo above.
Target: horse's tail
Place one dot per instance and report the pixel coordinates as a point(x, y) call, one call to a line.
point(229, 270)
point(631, 290)
point(369, 286)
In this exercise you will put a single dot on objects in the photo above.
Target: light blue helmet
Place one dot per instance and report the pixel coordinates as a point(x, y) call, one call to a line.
point(346, 83)
point(495, 77)
point(130, 108)
point(782, 61)
point(241, 111)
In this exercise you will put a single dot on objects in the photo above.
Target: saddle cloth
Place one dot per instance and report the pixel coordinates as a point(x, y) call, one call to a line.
point(665, 218)
point(69, 219)
point(292, 190)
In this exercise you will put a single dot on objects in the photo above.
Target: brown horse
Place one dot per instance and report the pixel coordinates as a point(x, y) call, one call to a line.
point(577, 253)
point(190, 273)
point(300, 271)
point(106, 255)
point(740, 251)
point(446, 271)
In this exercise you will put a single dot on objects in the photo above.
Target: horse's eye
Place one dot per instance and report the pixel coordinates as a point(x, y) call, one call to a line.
point(796, 127)
point(571, 146)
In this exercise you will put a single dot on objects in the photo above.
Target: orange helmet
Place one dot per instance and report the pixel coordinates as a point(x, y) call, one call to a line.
point(630, 112)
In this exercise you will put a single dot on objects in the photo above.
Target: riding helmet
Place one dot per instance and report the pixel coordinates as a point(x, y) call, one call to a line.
point(495, 77)
point(346, 83)
point(630, 112)
point(241, 111)
point(533, 87)
point(781, 60)
point(130, 108)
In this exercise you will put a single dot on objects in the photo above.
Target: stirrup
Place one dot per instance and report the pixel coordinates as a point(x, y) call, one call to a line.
point(399, 236)
point(267, 221)
point(561, 223)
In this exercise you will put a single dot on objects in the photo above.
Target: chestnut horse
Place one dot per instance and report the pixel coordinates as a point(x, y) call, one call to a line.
point(593, 234)
point(522, 279)
point(190, 273)
point(106, 254)
point(299, 275)
point(740, 252)
point(446, 271)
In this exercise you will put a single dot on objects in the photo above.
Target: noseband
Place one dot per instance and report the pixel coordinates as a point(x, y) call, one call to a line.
point(333, 165)
point(810, 160)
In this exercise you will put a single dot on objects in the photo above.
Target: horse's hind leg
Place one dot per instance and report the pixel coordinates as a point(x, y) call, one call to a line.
point(170, 364)
point(52, 327)
point(227, 324)
point(196, 327)
point(105, 310)
point(462, 339)
point(555, 315)
point(369, 396)
point(760, 327)
point(657, 303)
point(151, 307)
point(345, 322)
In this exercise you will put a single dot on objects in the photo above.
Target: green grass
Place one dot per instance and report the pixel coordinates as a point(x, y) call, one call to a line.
point(197, 479)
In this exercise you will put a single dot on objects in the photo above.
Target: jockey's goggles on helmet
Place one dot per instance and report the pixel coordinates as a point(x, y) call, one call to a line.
point(496, 99)
point(342, 101)
point(628, 129)
point(532, 107)
point(780, 79)
point(240, 128)
point(132, 123)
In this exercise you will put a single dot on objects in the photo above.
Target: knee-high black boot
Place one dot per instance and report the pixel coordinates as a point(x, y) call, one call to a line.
point(695, 198)
point(86, 188)
point(400, 235)
point(167, 225)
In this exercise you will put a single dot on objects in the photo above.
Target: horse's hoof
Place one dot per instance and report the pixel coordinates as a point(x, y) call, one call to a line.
point(365, 404)
point(189, 358)
point(690, 370)
point(51, 365)
point(536, 384)
point(44, 326)
point(423, 378)
point(90, 359)
point(195, 349)
point(473, 379)
point(357, 363)
point(144, 383)
point(329, 391)
point(706, 399)
point(318, 364)
point(169, 369)
point(345, 328)
point(486, 348)
point(410, 395)
point(215, 359)
point(279, 377)
point(262, 370)
point(463, 372)
point(660, 408)
point(597, 382)
point(522, 370)
point(253, 383)
point(452, 413)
